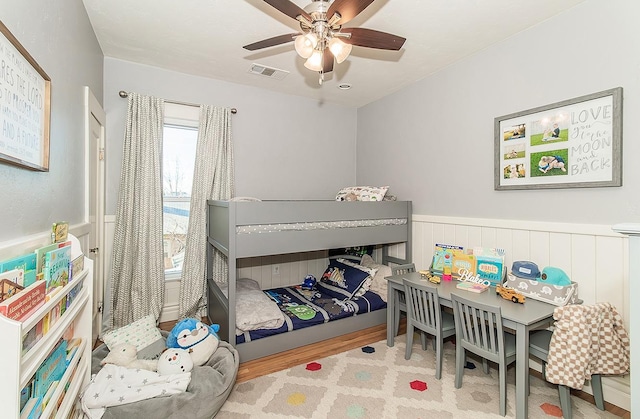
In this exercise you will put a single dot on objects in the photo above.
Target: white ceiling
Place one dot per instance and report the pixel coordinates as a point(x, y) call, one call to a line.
point(205, 38)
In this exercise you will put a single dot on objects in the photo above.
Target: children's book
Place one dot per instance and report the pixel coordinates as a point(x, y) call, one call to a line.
point(443, 256)
point(42, 252)
point(33, 335)
point(490, 264)
point(32, 409)
point(463, 262)
point(490, 268)
point(56, 267)
point(52, 369)
point(23, 304)
point(11, 283)
point(472, 286)
point(47, 396)
point(25, 262)
point(60, 231)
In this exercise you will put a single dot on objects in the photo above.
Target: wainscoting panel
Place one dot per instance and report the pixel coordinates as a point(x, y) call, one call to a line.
point(592, 255)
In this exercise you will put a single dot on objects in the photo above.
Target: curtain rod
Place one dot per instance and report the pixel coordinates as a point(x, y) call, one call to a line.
point(124, 94)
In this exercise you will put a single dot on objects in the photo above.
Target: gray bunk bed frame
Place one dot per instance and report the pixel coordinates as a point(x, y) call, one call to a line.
point(222, 220)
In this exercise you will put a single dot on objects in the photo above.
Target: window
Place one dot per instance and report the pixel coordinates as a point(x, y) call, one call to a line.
point(180, 137)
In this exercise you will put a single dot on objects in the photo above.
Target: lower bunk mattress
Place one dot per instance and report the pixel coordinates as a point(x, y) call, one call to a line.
point(305, 308)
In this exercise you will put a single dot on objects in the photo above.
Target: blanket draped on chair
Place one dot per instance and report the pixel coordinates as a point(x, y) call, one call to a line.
point(588, 339)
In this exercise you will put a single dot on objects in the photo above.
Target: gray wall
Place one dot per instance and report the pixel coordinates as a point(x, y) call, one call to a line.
point(286, 147)
point(433, 141)
point(59, 37)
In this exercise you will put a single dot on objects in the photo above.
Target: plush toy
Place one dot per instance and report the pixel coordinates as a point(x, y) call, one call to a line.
point(309, 282)
point(174, 361)
point(199, 339)
point(126, 355)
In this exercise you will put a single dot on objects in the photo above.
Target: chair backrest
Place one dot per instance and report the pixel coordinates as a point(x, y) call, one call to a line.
point(423, 306)
point(403, 269)
point(478, 327)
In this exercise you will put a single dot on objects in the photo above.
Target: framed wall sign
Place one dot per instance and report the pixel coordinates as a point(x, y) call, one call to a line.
point(25, 106)
point(569, 144)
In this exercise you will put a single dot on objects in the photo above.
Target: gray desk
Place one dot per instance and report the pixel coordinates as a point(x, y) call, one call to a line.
point(521, 318)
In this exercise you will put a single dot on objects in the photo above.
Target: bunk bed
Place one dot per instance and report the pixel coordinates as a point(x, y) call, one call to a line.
point(241, 229)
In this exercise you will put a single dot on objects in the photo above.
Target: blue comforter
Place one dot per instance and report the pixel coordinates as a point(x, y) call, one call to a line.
point(304, 308)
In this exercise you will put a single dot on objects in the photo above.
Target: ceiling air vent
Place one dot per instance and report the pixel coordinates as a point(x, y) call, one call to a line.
point(270, 72)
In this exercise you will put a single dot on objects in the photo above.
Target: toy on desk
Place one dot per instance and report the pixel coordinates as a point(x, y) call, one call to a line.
point(446, 273)
point(510, 294)
point(197, 338)
point(434, 279)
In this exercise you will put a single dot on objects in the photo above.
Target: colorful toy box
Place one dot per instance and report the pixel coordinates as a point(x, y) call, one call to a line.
point(539, 290)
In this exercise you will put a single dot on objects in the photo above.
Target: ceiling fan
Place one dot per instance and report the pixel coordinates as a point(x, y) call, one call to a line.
point(323, 39)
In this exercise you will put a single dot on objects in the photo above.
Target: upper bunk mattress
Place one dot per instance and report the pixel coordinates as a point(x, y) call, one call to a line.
point(323, 225)
point(308, 308)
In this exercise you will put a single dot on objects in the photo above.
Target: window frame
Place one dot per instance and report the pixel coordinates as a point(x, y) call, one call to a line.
point(183, 117)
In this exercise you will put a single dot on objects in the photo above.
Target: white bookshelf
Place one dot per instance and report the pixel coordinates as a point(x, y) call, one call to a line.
point(19, 367)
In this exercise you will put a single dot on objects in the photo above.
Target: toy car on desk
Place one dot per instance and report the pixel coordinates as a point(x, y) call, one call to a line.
point(510, 294)
point(434, 279)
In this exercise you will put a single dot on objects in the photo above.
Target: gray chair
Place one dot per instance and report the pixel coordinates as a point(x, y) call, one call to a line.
point(479, 330)
point(539, 347)
point(402, 304)
point(424, 313)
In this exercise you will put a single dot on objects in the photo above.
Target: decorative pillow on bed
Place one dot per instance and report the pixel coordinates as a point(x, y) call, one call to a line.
point(362, 193)
point(142, 333)
point(379, 284)
point(345, 280)
point(254, 310)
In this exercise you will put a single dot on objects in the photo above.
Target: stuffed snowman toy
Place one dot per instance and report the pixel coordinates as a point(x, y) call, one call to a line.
point(197, 338)
point(174, 361)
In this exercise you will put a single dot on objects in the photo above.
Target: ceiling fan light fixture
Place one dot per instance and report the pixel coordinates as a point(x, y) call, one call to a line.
point(305, 44)
point(339, 49)
point(314, 63)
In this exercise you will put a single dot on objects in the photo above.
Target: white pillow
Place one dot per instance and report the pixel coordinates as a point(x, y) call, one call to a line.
point(363, 193)
point(378, 284)
point(142, 333)
point(254, 310)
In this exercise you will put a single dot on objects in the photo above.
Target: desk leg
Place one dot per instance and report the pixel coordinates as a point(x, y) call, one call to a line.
point(391, 309)
point(522, 371)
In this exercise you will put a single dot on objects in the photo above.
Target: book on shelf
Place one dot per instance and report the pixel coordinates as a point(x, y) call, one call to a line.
point(25, 394)
point(73, 293)
point(52, 369)
point(32, 336)
point(59, 232)
point(472, 286)
point(77, 266)
point(11, 283)
point(47, 396)
point(25, 262)
point(56, 267)
point(42, 252)
point(32, 409)
point(23, 304)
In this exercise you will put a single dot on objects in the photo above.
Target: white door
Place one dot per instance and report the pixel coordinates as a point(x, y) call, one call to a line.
point(95, 122)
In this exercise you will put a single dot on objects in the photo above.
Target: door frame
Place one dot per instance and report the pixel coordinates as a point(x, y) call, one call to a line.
point(95, 184)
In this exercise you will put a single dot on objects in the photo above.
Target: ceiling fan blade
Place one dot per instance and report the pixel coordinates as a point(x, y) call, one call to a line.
point(348, 9)
point(373, 39)
point(276, 40)
point(290, 9)
point(327, 61)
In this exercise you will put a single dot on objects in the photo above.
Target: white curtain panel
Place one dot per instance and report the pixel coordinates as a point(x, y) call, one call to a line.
point(137, 280)
point(213, 179)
